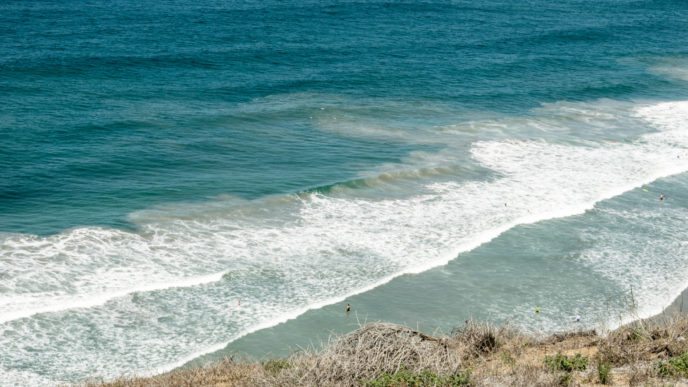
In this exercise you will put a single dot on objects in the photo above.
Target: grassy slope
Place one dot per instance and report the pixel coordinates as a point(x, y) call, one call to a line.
point(644, 353)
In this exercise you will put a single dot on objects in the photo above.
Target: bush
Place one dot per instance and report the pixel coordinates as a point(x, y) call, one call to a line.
point(274, 366)
point(480, 339)
point(564, 363)
point(404, 377)
point(603, 369)
point(675, 366)
point(637, 334)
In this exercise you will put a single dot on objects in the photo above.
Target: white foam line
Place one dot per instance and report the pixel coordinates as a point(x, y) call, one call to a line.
point(26, 378)
point(271, 323)
point(651, 310)
point(452, 253)
point(480, 239)
point(96, 300)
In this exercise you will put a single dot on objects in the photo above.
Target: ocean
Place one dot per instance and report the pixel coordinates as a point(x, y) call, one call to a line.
point(182, 180)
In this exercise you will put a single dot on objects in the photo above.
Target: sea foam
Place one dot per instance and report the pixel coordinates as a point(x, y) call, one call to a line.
point(170, 291)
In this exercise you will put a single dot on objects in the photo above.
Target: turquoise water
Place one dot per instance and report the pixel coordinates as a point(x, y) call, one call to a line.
point(426, 162)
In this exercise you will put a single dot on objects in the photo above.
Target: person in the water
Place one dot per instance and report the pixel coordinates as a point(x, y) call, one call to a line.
point(348, 308)
point(661, 196)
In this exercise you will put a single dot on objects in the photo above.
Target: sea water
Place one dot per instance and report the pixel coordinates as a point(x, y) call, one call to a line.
point(182, 180)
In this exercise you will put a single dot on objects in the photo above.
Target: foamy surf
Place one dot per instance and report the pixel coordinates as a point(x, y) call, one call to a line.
point(18, 307)
point(310, 250)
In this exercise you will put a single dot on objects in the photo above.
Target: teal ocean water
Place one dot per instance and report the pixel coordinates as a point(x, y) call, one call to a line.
point(426, 162)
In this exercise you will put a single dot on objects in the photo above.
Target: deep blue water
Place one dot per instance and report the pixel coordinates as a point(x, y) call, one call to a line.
point(110, 107)
point(294, 153)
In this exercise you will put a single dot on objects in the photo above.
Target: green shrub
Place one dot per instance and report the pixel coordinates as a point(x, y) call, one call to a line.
point(637, 334)
point(603, 369)
point(675, 366)
point(274, 366)
point(564, 363)
point(404, 377)
point(663, 369)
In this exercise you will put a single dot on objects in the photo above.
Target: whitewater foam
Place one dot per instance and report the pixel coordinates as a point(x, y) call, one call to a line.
point(289, 255)
point(17, 307)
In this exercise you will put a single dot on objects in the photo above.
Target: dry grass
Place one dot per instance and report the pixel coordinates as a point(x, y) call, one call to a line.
point(366, 353)
point(379, 354)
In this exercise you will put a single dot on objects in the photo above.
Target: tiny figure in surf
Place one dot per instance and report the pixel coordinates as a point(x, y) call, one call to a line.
point(577, 318)
point(348, 308)
point(661, 196)
point(537, 309)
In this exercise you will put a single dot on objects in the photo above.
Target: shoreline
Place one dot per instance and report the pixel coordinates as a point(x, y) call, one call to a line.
point(531, 351)
point(653, 352)
point(678, 307)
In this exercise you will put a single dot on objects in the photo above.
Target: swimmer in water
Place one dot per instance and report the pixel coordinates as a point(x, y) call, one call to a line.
point(348, 308)
point(661, 196)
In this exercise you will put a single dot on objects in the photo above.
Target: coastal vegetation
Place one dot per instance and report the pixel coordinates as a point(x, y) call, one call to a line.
point(646, 352)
